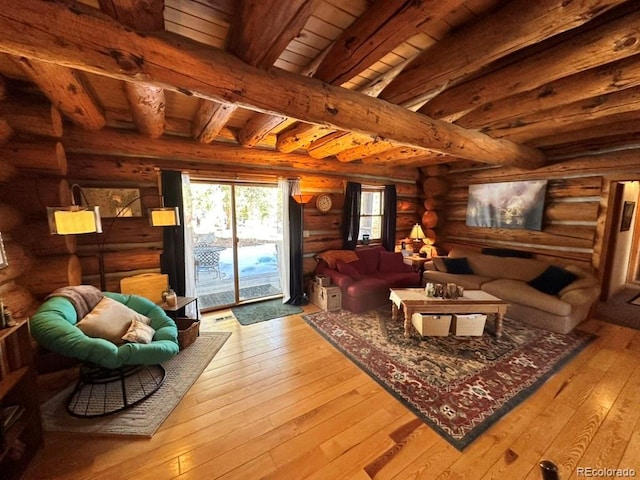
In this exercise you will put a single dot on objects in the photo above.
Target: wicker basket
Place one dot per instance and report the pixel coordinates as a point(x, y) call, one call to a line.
point(188, 330)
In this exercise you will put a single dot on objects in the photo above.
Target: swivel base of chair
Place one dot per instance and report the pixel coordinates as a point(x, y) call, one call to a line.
point(101, 391)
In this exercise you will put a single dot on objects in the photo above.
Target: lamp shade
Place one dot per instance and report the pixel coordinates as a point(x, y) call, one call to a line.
point(164, 217)
point(74, 220)
point(417, 233)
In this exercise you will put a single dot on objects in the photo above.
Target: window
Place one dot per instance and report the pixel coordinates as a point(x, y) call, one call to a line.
point(371, 211)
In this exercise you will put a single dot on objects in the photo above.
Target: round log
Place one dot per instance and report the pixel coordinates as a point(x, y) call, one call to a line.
point(18, 300)
point(436, 170)
point(35, 194)
point(431, 235)
point(5, 131)
point(7, 171)
point(435, 186)
point(35, 237)
point(18, 259)
point(32, 117)
point(433, 203)
point(46, 157)
point(10, 218)
point(49, 274)
point(430, 219)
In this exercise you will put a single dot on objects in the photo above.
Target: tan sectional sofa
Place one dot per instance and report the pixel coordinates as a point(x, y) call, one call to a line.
point(571, 292)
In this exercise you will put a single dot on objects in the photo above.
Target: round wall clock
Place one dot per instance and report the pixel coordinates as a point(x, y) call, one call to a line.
point(323, 203)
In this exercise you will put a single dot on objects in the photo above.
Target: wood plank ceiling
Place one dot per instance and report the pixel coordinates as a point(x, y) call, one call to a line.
point(340, 83)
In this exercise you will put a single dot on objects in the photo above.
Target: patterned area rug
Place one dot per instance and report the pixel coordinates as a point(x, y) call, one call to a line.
point(145, 418)
point(459, 386)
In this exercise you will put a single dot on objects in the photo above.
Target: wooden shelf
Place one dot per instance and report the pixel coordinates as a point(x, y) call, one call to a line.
point(18, 386)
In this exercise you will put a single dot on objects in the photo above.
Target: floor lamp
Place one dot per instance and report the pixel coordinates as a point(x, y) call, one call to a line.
point(302, 200)
point(79, 219)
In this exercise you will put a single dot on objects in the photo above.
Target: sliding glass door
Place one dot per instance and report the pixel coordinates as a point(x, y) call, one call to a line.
point(237, 239)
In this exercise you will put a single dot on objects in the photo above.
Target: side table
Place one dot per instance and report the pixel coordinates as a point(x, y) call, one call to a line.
point(180, 304)
point(416, 261)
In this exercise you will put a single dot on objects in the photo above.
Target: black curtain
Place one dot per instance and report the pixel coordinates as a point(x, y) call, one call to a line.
point(389, 218)
point(172, 258)
point(296, 281)
point(351, 216)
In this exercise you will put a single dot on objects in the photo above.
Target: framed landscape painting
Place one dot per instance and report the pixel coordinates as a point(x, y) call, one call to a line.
point(515, 205)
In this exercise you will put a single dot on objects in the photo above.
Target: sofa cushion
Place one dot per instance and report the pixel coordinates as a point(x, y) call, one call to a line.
point(552, 280)
point(139, 332)
point(368, 260)
point(109, 320)
point(368, 286)
point(332, 256)
point(400, 279)
point(470, 282)
point(392, 262)
point(518, 292)
point(584, 280)
point(514, 268)
point(348, 269)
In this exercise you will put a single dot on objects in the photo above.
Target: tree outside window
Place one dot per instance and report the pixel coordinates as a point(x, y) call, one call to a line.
point(371, 211)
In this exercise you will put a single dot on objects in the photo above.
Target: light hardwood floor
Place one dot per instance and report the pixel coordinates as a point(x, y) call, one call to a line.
point(279, 402)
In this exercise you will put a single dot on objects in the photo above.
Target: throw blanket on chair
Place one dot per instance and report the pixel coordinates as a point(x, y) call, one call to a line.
point(83, 298)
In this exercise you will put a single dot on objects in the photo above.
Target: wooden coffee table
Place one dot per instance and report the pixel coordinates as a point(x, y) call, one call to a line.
point(414, 300)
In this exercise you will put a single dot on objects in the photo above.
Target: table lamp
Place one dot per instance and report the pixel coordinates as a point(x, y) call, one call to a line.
point(417, 235)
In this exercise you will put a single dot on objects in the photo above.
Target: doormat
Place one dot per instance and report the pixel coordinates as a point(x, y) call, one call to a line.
point(143, 419)
point(459, 386)
point(261, 311)
point(227, 297)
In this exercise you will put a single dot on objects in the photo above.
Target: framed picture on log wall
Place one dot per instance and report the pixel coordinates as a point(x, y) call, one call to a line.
point(514, 205)
point(627, 216)
point(114, 202)
point(3, 255)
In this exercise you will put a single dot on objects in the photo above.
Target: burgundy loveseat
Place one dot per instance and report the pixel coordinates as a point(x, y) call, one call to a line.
point(366, 275)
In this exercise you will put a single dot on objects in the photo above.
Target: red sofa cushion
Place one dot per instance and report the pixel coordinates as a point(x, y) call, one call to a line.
point(348, 269)
point(367, 262)
point(392, 262)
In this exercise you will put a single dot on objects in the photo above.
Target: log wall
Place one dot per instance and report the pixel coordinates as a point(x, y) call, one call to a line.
point(575, 213)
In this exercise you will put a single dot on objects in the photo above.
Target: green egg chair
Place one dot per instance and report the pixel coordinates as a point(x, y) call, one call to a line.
point(112, 377)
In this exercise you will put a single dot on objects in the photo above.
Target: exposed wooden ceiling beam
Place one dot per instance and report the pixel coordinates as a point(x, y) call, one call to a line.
point(605, 79)
point(612, 41)
point(383, 27)
point(259, 35)
point(262, 124)
point(187, 152)
point(516, 25)
point(67, 90)
point(210, 119)
point(141, 15)
point(546, 122)
point(40, 30)
point(263, 28)
point(147, 102)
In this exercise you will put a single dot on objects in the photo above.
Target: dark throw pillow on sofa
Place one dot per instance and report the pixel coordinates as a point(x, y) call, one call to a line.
point(552, 280)
point(348, 269)
point(458, 265)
